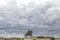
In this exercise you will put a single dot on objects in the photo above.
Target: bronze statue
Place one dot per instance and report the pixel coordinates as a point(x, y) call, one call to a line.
point(29, 33)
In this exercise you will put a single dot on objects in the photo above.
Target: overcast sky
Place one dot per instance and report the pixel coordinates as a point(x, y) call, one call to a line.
point(40, 16)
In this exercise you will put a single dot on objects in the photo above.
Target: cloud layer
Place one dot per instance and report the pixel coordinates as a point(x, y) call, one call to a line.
point(43, 19)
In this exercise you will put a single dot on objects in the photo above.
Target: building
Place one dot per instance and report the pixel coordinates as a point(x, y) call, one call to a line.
point(57, 38)
point(10, 38)
point(2, 38)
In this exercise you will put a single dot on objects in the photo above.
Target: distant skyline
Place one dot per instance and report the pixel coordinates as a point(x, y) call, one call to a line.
point(41, 16)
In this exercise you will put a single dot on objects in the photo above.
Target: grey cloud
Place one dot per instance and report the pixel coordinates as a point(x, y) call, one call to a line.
point(40, 18)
